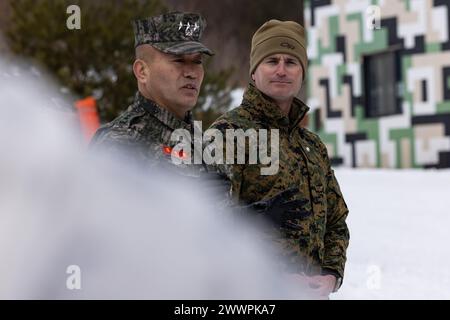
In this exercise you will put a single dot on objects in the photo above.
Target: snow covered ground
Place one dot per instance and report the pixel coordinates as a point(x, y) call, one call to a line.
point(399, 227)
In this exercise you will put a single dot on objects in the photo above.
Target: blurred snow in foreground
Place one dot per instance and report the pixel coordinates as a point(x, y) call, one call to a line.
point(69, 218)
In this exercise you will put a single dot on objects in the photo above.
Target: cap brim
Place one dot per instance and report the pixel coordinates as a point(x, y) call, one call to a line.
point(185, 47)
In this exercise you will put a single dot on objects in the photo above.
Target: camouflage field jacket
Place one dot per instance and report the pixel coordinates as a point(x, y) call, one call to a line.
point(143, 134)
point(316, 244)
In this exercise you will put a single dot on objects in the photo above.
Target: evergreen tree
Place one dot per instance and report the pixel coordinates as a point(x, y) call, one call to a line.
point(96, 59)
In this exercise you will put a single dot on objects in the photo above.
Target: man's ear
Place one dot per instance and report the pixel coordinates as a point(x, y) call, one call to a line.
point(253, 76)
point(141, 70)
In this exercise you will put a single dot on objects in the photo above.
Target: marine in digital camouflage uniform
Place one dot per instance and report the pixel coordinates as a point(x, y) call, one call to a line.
point(144, 130)
point(316, 245)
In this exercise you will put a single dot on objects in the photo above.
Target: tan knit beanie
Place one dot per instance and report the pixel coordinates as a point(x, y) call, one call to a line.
point(276, 36)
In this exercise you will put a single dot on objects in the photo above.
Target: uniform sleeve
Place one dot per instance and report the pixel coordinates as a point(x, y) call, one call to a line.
point(232, 171)
point(110, 139)
point(120, 144)
point(337, 235)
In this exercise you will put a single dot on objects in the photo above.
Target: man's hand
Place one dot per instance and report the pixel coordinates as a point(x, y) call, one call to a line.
point(322, 284)
point(317, 287)
point(280, 208)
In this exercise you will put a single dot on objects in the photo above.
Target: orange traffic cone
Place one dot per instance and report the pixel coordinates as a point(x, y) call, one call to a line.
point(88, 115)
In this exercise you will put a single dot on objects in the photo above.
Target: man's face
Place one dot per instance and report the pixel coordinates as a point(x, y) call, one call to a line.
point(173, 81)
point(279, 76)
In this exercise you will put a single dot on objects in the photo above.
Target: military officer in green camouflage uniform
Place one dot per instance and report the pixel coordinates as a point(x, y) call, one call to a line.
point(169, 73)
point(315, 246)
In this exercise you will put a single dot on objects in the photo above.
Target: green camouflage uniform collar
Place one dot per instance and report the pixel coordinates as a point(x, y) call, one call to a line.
point(162, 114)
point(259, 105)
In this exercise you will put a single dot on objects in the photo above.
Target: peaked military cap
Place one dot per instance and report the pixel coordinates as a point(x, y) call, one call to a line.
point(175, 32)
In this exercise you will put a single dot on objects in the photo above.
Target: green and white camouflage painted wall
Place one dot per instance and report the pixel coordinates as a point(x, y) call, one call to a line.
point(338, 36)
